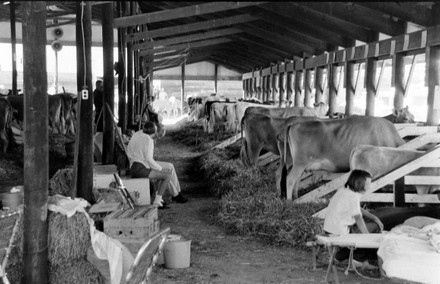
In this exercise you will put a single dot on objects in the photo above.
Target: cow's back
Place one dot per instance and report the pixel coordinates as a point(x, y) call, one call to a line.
point(284, 111)
point(327, 144)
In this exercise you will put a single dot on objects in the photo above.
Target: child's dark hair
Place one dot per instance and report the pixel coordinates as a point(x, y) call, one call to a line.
point(149, 128)
point(356, 180)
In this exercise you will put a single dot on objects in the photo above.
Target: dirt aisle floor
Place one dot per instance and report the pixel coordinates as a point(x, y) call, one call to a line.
point(220, 258)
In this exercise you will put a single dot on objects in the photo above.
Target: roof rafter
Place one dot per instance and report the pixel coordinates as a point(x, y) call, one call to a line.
point(359, 15)
point(188, 38)
point(407, 11)
point(258, 43)
point(201, 43)
point(276, 39)
point(323, 21)
point(180, 29)
point(182, 12)
point(297, 26)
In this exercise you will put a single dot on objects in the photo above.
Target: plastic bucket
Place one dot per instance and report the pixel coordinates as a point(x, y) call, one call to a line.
point(170, 237)
point(177, 253)
point(13, 199)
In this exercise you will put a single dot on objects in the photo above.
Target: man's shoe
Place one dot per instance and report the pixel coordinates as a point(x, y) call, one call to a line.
point(164, 206)
point(179, 198)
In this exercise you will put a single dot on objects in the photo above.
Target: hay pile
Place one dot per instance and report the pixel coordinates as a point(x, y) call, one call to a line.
point(60, 182)
point(192, 134)
point(251, 205)
point(68, 241)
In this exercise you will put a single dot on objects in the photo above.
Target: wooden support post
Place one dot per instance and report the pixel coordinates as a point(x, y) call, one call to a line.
point(130, 73)
point(349, 87)
point(289, 87)
point(269, 88)
point(308, 88)
point(36, 144)
point(433, 75)
point(399, 192)
point(13, 46)
point(275, 87)
point(333, 87)
point(370, 80)
point(108, 140)
point(298, 88)
point(84, 82)
point(122, 82)
point(244, 89)
point(397, 80)
point(282, 88)
point(264, 88)
point(251, 85)
point(259, 87)
point(319, 87)
point(182, 78)
point(215, 78)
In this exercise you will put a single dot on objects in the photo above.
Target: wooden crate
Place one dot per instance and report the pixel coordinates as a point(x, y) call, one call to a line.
point(132, 227)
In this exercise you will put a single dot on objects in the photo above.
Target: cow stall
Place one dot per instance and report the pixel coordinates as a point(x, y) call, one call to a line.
point(398, 177)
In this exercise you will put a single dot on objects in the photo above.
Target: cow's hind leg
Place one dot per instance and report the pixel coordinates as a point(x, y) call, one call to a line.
point(280, 177)
point(292, 182)
point(4, 141)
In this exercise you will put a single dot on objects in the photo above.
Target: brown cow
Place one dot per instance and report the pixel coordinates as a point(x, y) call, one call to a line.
point(327, 144)
point(261, 132)
point(54, 111)
point(400, 116)
point(379, 161)
point(5, 121)
point(319, 110)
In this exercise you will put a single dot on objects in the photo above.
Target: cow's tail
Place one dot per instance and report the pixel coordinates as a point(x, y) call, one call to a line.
point(286, 137)
point(242, 125)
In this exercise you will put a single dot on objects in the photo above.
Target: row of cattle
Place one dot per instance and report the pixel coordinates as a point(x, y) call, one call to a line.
point(304, 138)
point(222, 114)
point(307, 143)
point(61, 115)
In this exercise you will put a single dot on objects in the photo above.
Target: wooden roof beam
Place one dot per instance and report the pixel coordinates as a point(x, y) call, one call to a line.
point(297, 26)
point(359, 15)
point(180, 29)
point(183, 12)
point(243, 49)
point(189, 45)
point(406, 11)
point(282, 30)
point(193, 51)
point(239, 69)
point(230, 64)
point(276, 39)
point(323, 21)
point(243, 56)
point(188, 38)
point(259, 44)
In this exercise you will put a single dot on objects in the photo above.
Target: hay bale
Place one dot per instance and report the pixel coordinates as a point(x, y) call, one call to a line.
point(68, 238)
point(60, 182)
point(16, 254)
point(74, 272)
